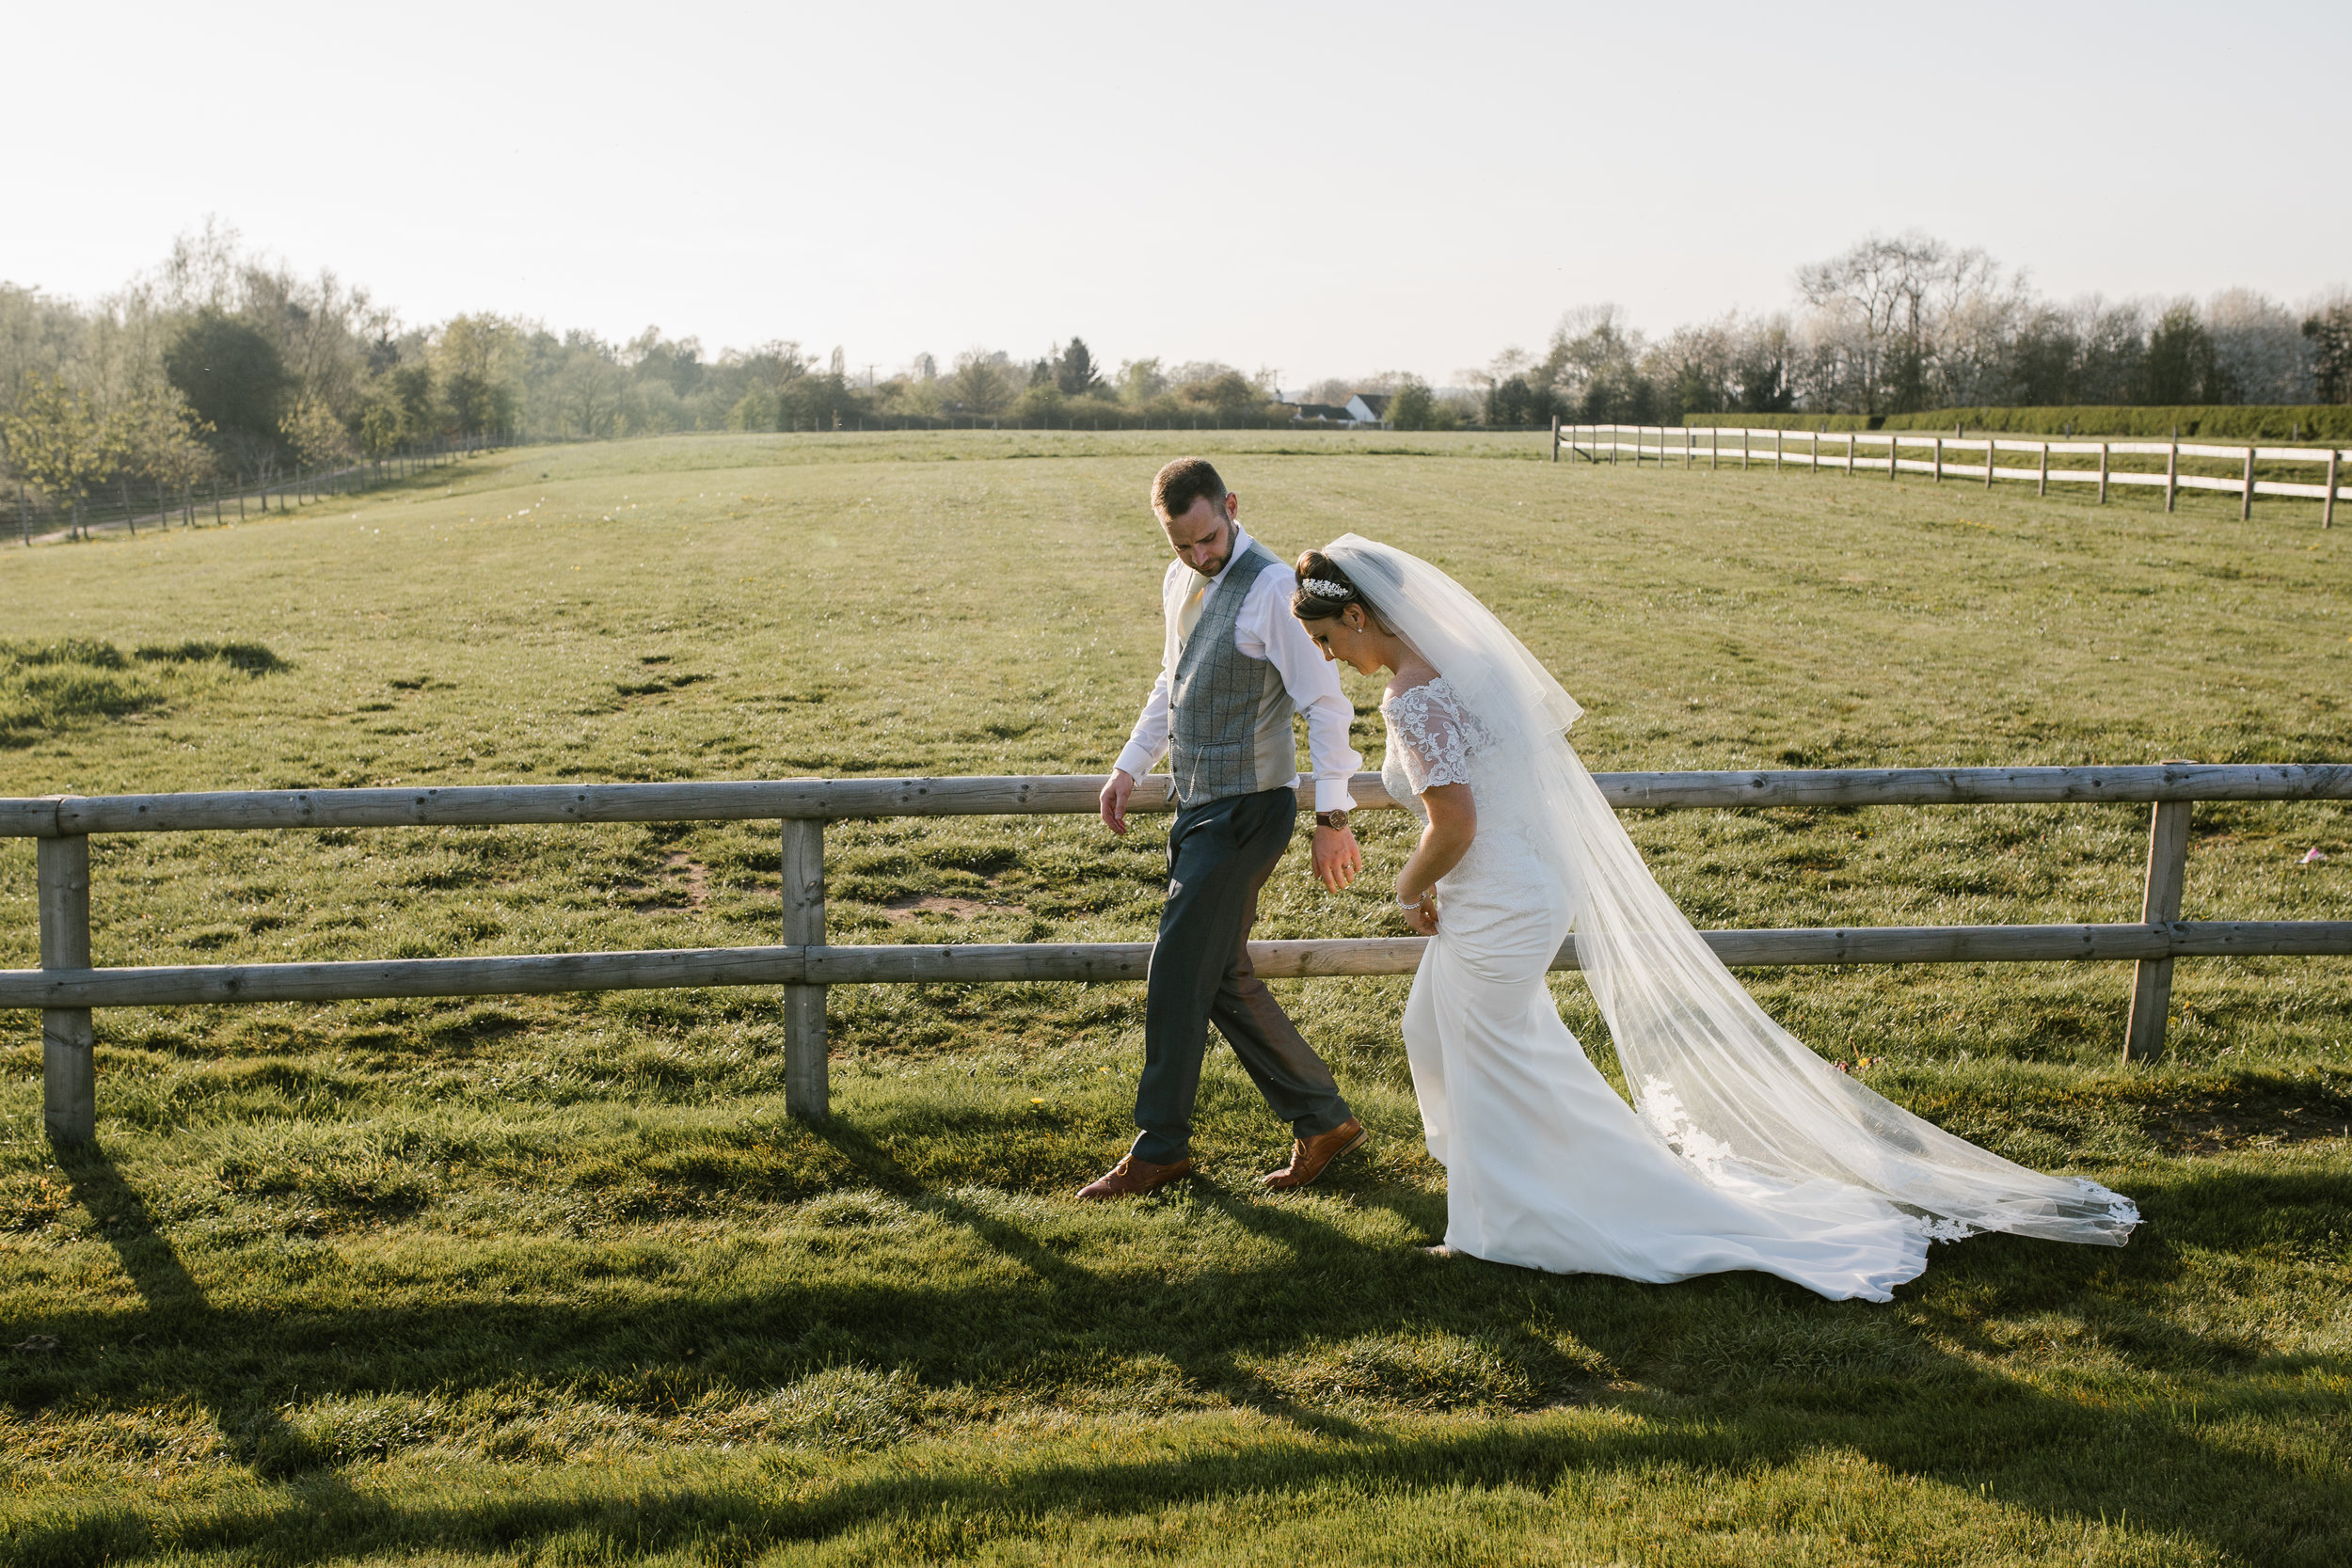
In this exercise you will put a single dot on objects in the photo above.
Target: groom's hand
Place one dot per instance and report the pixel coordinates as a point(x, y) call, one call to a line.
point(1114, 795)
point(1335, 858)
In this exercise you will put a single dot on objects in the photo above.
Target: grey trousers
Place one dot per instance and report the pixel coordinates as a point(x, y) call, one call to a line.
point(1219, 854)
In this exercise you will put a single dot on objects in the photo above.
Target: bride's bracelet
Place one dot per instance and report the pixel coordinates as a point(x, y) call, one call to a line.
point(1412, 903)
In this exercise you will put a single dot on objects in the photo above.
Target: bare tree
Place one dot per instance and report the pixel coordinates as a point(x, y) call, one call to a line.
point(1591, 361)
point(1870, 307)
point(2259, 351)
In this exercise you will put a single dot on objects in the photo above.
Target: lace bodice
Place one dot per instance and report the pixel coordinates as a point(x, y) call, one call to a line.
point(1432, 736)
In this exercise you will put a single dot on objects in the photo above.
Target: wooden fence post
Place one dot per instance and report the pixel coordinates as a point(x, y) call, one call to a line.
point(1939, 460)
point(2172, 471)
point(2151, 978)
point(69, 1082)
point(1714, 447)
point(1556, 438)
point(1613, 443)
point(2327, 507)
point(1777, 438)
point(2043, 488)
point(806, 1083)
point(1743, 449)
point(1894, 455)
point(1850, 454)
point(2102, 473)
point(2245, 501)
point(1989, 444)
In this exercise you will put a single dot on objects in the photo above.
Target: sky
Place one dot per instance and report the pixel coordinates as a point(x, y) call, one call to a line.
point(1317, 190)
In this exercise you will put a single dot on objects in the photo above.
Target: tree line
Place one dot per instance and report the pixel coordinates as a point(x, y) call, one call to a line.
point(219, 364)
point(1910, 324)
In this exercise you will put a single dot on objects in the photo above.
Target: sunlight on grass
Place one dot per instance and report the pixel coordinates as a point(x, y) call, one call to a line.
point(555, 1279)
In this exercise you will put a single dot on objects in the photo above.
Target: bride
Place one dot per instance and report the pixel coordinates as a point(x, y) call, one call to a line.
point(1742, 1149)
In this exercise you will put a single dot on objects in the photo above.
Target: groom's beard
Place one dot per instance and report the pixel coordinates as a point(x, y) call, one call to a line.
point(1222, 561)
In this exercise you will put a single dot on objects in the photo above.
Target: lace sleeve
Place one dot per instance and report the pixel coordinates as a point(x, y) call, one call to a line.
point(1434, 736)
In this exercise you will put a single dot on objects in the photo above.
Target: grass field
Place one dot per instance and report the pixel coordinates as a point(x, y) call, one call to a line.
point(554, 1281)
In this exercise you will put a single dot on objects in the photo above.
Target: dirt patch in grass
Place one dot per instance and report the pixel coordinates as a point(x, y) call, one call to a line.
point(911, 908)
point(681, 882)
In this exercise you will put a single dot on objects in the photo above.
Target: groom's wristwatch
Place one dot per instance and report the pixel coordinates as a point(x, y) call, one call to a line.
point(1331, 819)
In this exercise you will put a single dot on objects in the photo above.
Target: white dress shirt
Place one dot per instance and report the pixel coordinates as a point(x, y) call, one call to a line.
point(1267, 630)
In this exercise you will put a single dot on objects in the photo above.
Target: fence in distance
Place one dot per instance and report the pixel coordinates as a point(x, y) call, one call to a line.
point(1941, 458)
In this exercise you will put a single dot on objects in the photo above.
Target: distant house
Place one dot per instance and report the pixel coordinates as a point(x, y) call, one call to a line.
point(1368, 407)
point(1329, 413)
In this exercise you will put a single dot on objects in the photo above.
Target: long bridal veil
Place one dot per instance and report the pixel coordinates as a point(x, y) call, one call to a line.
point(1736, 1095)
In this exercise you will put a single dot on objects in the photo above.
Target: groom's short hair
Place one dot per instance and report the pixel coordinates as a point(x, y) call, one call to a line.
point(1182, 483)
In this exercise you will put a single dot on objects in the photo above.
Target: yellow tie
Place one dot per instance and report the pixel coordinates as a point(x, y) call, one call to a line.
point(1189, 616)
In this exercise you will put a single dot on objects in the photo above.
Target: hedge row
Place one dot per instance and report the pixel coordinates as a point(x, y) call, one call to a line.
point(2250, 421)
point(1791, 421)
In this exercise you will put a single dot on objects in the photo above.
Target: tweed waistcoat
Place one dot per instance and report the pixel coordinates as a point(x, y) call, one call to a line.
point(1229, 714)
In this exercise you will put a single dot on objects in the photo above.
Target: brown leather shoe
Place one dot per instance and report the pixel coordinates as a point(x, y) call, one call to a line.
point(1310, 1156)
point(1132, 1177)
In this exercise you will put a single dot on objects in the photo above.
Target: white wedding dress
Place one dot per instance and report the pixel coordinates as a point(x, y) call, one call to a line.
point(1743, 1150)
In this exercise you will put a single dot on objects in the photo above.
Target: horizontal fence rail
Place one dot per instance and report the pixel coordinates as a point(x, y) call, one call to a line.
point(1016, 794)
point(67, 985)
point(911, 964)
point(1966, 458)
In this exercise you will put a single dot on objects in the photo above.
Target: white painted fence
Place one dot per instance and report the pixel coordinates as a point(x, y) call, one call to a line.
point(1964, 459)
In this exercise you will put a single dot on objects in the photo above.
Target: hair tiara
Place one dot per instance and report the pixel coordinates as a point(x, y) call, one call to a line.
point(1323, 589)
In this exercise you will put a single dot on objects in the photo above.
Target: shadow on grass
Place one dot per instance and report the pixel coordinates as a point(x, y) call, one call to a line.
point(177, 1312)
point(1214, 1370)
point(1754, 1374)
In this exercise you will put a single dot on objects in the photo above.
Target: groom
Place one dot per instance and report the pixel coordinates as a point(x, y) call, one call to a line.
point(1235, 665)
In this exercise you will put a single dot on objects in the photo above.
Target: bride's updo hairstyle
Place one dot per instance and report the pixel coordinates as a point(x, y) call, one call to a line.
point(1323, 590)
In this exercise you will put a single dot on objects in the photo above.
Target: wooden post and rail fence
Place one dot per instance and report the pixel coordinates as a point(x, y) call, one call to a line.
point(1942, 457)
point(119, 503)
point(67, 986)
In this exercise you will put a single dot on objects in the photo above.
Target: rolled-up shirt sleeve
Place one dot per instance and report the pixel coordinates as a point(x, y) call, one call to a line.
point(1267, 630)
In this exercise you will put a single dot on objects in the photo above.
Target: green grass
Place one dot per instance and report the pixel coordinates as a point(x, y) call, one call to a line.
point(555, 1280)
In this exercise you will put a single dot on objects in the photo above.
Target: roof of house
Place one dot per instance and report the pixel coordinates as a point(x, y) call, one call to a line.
point(1377, 401)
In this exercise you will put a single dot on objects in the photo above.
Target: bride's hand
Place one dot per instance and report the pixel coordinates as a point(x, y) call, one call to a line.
point(1422, 917)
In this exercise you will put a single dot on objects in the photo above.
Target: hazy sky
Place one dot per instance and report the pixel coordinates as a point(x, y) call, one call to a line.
point(1326, 190)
